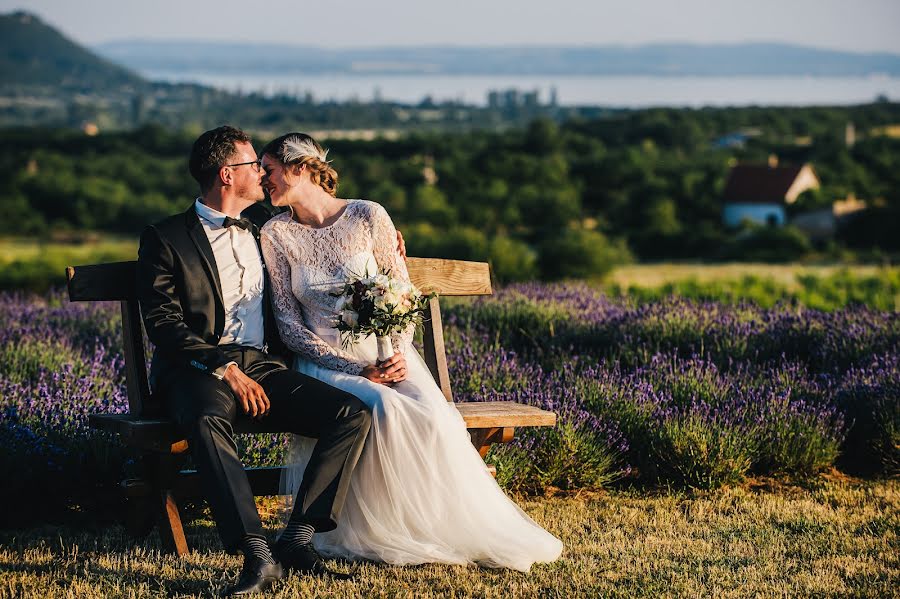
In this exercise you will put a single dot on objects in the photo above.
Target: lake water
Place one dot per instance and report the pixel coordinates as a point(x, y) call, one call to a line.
point(632, 92)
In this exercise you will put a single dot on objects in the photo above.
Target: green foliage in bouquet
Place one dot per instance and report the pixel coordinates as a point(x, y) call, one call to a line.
point(378, 304)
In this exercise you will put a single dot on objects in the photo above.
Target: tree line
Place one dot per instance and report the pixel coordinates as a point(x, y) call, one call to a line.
point(551, 199)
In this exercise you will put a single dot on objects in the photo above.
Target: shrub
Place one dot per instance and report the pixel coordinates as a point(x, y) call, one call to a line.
point(768, 244)
point(580, 253)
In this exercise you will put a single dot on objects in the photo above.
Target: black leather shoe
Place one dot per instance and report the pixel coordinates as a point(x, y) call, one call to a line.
point(303, 559)
point(256, 576)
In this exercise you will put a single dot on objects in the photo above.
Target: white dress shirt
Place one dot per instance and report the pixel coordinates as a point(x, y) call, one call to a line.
point(241, 276)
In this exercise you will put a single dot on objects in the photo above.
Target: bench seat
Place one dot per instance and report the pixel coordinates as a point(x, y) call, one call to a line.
point(159, 434)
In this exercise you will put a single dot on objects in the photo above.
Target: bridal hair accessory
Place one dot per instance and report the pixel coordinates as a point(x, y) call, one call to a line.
point(296, 148)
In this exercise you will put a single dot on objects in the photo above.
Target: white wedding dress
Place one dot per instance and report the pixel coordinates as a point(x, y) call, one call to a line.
point(420, 492)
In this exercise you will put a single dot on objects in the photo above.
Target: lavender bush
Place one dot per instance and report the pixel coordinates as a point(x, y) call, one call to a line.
point(869, 398)
point(551, 321)
point(694, 394)
point(50, 459)
point(582, 451)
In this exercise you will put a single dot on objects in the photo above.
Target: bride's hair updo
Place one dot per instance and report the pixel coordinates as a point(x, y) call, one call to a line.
point(300, 148)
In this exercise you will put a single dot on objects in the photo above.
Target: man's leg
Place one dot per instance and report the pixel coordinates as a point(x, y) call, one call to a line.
point(205, 409)
point(306, 406)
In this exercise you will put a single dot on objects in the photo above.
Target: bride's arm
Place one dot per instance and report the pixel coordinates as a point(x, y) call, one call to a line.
point(387, 255)
point(289, 315)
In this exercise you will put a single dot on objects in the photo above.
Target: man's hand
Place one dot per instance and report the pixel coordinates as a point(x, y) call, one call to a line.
point(401, 245)
point(249, 393)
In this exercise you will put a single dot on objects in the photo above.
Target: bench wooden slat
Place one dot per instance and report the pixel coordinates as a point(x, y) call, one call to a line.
point(433, 348)
point(160, 433)
point(450, 277)
point(503, 414)
point(186, 485)
point(115, 280)
point(102, 282)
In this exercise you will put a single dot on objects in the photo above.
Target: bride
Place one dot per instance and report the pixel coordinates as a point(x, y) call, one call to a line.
point(420, 492)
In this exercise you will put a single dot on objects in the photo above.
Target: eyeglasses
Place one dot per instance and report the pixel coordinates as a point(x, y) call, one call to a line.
point(256, 164)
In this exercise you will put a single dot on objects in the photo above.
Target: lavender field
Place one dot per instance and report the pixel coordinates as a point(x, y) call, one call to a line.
point(675, 393)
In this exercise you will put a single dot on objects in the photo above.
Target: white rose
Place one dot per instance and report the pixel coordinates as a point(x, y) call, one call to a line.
point(398, 297)
point(350, 318)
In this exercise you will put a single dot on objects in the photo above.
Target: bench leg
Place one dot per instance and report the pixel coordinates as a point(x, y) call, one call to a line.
point(170, 528)
point(162, 471)
point(483, 438)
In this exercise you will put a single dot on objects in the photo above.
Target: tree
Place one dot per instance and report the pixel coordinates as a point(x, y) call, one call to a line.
point(430, 204)
point(512, 260)
point(580, 253)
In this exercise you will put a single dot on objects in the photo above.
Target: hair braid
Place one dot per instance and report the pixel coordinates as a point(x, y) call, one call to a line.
point(301, 149)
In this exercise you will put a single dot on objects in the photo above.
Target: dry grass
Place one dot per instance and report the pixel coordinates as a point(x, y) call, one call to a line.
point(831, 537)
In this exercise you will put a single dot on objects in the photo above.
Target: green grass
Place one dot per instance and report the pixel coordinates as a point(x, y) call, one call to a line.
point(37, 265)
point(827, 537)
point(25, 249)
point(823, 287)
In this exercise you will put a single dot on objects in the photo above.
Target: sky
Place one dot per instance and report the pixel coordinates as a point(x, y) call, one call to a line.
point(854, 25)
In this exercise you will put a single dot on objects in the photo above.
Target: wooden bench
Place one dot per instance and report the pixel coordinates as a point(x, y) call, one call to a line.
point(153, 498)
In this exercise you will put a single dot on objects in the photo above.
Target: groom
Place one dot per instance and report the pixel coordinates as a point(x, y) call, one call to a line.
point(219, 363)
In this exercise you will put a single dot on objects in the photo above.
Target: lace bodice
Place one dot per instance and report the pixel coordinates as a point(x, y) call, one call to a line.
point(307, 264)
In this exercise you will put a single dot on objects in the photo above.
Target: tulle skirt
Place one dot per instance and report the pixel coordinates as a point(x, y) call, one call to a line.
point(420, 492)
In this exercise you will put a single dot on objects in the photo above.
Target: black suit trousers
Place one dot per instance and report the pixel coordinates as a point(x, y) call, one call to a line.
point(206, 411)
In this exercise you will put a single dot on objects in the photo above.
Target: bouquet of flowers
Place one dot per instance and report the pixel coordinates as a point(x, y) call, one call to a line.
point(378, 304)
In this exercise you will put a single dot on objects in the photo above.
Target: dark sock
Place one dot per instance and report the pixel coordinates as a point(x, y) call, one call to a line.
point(257, 548)
point(296, 534)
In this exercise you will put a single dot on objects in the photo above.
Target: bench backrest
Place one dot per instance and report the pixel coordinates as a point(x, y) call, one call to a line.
point(115, 281)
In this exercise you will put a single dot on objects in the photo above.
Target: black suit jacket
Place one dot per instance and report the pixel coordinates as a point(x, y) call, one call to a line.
point(181, 295)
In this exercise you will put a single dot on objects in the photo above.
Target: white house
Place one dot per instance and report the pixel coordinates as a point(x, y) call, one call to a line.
point(760, 192)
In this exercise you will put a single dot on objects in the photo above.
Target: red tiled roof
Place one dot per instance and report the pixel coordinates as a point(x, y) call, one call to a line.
point(759, 183)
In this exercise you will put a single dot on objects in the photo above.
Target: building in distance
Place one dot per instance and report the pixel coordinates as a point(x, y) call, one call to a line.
point(759, 193)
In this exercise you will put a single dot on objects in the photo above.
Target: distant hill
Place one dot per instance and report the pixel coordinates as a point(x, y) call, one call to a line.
point(33, 53)
point(750, 59)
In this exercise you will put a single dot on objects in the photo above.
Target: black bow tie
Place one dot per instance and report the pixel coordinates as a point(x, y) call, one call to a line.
point(243, 223)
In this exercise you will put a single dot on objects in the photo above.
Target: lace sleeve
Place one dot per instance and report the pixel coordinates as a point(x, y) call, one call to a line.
point(384, 238)
point(289, 315)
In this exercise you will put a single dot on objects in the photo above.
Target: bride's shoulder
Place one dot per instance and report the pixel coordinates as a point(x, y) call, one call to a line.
point(276, 224)
point(366, 206)
point(368, 209)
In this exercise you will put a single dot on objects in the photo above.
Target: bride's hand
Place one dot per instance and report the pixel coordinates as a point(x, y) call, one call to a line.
point(392, 370)
point(374, 374)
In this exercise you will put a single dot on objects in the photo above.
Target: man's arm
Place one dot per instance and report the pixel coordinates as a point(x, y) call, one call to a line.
point(162, 310)
point(401, 245)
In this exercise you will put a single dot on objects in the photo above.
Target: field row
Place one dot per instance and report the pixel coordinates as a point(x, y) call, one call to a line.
point(676, 393)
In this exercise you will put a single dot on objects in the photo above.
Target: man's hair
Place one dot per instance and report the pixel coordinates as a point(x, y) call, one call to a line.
point(212, 151)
